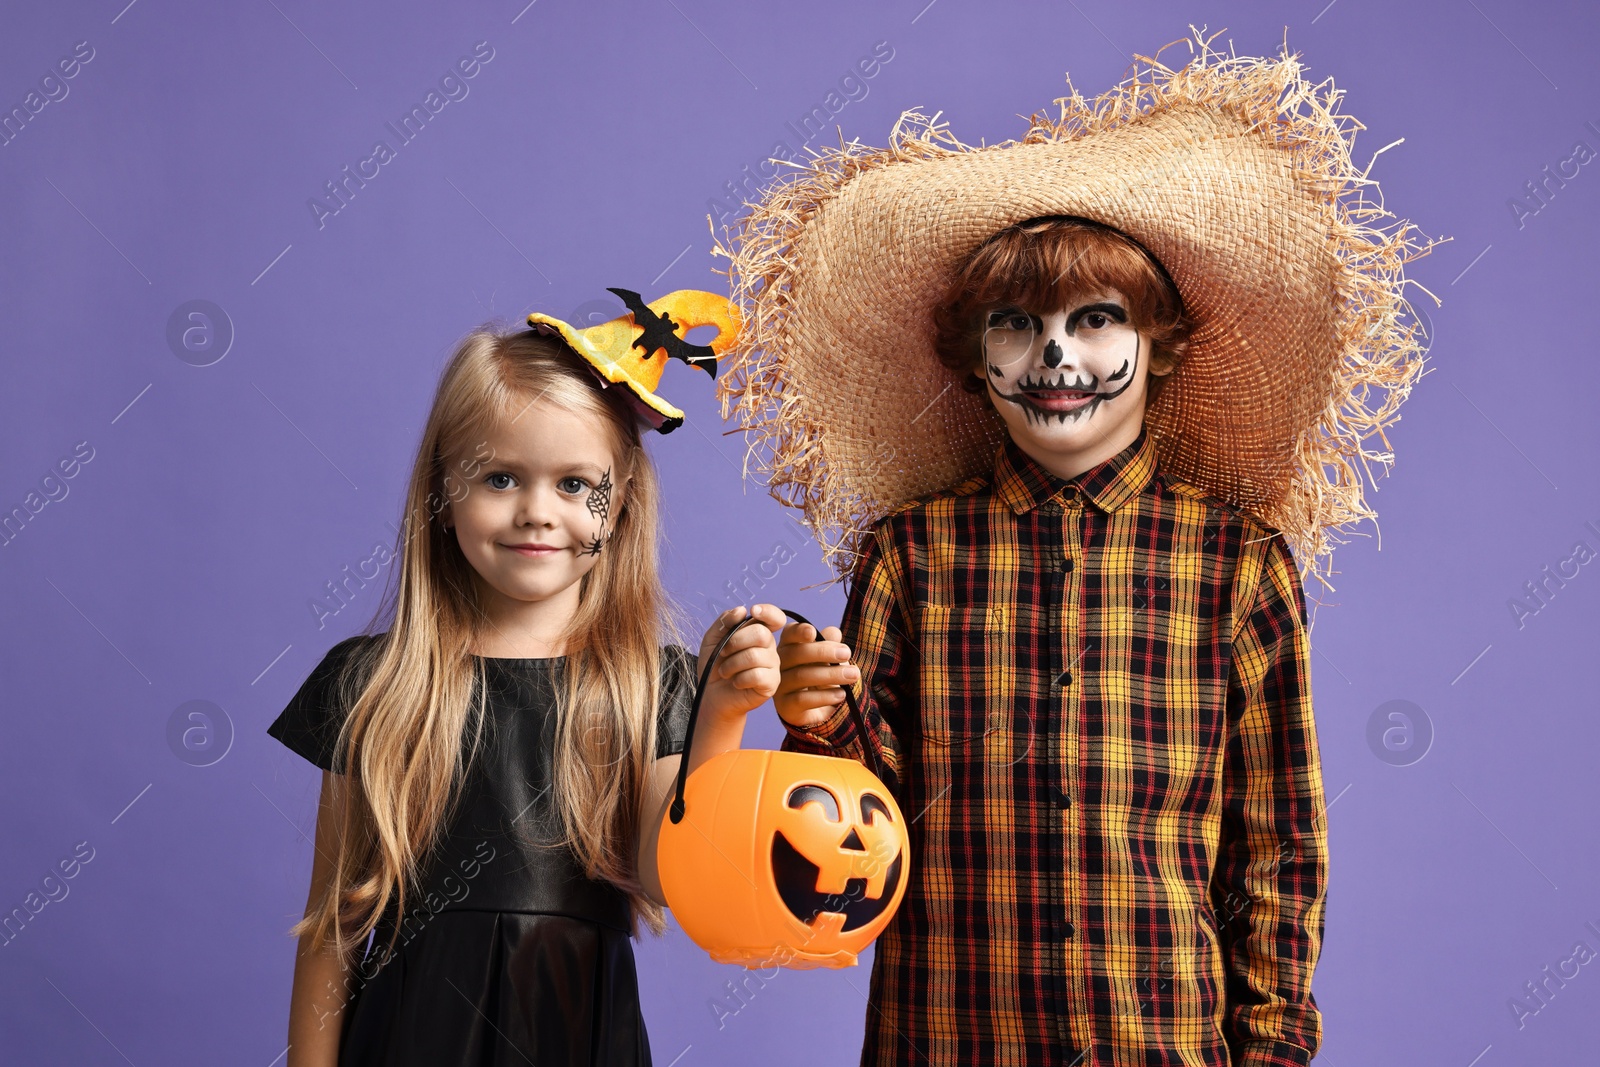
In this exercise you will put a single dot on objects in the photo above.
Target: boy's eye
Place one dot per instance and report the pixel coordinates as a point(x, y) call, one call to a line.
point(490, 480)
point(1010, 319)
point(572, 485)
point(1097, 317)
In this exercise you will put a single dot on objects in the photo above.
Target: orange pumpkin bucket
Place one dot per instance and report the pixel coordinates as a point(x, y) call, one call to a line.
point(781, 858)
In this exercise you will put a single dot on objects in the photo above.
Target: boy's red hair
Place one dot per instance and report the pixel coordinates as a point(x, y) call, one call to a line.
point(1039, 265)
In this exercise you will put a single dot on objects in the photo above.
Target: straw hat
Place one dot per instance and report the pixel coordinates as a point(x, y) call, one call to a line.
point(633, 349)
point(1235, 172)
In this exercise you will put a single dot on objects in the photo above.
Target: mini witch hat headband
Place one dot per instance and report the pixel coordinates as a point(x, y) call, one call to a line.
point(633, 349)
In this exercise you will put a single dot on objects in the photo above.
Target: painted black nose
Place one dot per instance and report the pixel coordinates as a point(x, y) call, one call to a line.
point(1052, 354)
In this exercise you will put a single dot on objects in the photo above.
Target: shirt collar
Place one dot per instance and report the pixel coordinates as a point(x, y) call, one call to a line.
point(1023, 484)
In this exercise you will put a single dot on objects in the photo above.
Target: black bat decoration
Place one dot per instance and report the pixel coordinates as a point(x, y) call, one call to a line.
point(661, 332)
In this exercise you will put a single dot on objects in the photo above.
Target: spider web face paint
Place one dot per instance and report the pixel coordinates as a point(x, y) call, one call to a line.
point(599, 502)
point(600, 498)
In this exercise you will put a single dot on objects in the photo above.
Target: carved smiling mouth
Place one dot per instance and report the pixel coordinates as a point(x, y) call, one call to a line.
point(796, 879)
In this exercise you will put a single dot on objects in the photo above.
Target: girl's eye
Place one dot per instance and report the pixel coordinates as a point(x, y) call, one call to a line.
point(572, 485)
point(490, 480)
point(1095, 320)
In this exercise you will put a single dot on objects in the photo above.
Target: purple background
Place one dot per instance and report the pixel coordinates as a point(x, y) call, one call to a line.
point(181, 563)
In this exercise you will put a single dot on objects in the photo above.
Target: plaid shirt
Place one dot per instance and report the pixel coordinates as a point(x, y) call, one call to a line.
point(1092, 699)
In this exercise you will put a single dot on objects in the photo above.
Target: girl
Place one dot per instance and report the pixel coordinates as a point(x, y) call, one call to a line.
point(496, 762)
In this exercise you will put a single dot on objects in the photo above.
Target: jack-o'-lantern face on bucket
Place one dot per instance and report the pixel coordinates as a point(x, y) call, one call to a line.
point(844, 858)
point(784, 857)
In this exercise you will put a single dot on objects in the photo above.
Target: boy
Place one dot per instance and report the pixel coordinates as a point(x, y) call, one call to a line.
point(1057, 711)
point(1083, 657)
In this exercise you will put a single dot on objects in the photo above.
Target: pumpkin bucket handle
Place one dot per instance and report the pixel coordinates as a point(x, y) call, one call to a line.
point(678, 809)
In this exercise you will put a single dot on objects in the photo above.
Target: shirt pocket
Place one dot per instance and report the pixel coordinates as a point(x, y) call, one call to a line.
point(968, 683)
point(1176, 993)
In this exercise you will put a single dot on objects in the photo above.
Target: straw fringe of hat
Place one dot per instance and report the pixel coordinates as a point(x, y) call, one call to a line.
point(794, 439)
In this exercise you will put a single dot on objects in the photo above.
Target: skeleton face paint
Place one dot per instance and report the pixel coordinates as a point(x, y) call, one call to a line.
point(1069, 384)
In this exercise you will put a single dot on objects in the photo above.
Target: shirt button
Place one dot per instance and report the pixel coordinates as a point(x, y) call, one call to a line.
point(1066, 564)
point(1067, 930)
point(1061, 798)
point(1065, 679)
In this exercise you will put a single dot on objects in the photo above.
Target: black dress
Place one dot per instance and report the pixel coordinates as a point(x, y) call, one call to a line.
point(509, 955)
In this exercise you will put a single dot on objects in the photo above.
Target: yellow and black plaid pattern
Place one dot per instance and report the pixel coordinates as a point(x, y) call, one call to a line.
point(1093, 700)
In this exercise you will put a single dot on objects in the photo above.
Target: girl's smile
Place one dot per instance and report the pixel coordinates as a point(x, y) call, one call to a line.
point(533, 551)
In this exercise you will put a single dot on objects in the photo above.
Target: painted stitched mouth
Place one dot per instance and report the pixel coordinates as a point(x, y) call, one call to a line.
point(1057, 389)
point(1059, 394)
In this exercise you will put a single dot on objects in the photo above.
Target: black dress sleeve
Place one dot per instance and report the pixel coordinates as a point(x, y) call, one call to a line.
point(677, 695)
point(309, 725)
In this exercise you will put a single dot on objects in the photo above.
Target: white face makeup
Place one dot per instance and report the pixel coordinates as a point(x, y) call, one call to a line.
point(538, 515)
point(1070, 385)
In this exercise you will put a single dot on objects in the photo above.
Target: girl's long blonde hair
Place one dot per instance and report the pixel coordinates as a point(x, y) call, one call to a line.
point(416, 696)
